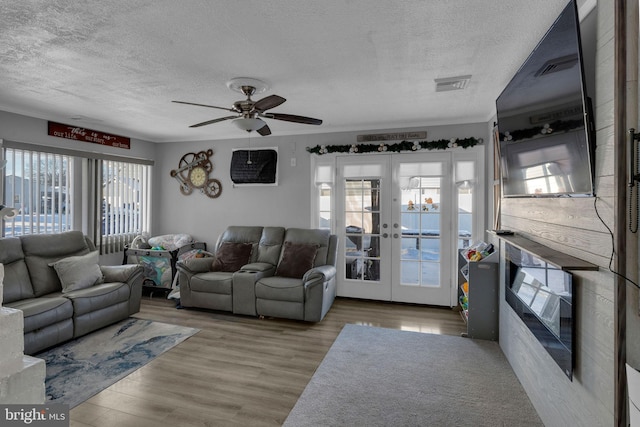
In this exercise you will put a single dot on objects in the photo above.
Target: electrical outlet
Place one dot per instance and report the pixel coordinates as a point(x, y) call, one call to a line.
point(293, 162)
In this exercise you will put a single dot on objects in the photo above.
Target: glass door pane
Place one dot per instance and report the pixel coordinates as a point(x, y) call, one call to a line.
point(420, 224)
point(362, 225)
point(422, 229)
point(362, 231)
point(465, 214)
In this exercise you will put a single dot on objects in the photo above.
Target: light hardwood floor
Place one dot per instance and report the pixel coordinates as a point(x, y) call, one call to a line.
point(240, 371)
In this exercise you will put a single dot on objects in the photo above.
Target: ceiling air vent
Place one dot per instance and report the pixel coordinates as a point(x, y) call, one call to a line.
point(452, 83)
point(557, 64)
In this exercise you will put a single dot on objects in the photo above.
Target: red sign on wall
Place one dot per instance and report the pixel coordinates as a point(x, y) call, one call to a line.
point(87, 135)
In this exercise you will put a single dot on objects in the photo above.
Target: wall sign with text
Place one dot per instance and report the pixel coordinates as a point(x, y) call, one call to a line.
point(87, 135)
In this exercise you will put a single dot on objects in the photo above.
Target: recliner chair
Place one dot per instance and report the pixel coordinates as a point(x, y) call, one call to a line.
point(304, 284)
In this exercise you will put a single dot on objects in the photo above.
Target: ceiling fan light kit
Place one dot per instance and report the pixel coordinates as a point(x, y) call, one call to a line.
point(249, 124)
point(249, 113)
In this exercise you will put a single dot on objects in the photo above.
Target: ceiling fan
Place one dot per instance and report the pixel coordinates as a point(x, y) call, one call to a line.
point(249, 113)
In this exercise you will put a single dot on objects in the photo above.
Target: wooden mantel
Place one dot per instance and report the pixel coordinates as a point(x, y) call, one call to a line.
point(561, 260)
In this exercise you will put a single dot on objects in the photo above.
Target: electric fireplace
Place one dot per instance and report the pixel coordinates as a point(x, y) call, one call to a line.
point(542, 296)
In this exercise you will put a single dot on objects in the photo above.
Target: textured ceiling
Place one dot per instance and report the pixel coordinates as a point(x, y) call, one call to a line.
point(116, 66)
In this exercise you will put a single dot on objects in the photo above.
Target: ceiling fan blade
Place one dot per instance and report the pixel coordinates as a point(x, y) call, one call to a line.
point(264, 130)
point(293, 118)
point(268, 102)
point(210, 122)
point(204, 105)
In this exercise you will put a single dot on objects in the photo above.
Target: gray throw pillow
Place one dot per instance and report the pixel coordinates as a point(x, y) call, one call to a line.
point(78, 272)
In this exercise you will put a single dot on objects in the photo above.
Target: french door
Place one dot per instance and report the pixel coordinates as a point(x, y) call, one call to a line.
point(397, 228)
point(363, 227)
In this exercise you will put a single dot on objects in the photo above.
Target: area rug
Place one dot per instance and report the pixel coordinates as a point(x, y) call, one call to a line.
point(383, 377)
point(79, 369)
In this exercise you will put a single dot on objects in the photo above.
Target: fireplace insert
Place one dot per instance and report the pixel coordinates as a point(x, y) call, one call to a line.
point(542, 295)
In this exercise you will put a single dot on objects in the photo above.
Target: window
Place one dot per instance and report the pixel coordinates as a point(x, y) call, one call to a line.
point(53, 191)
point(324, 221)
point(124, 203)
point(322, 203)
point(37, 185)
point(465, 179)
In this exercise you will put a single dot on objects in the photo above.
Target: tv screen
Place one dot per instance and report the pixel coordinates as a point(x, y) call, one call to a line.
point(254, 166)
point(544, 119)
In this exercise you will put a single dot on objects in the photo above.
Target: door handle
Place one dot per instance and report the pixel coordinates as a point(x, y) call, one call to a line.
point(631, 169)
point(395, 235)
point(385, 235)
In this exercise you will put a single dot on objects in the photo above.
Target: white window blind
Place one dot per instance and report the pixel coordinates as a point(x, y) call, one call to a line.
point(124, 203)
point(37, 184)
point(57, 189)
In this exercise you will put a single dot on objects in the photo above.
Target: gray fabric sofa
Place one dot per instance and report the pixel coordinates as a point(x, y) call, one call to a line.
point(89, 296)
point(286, 273)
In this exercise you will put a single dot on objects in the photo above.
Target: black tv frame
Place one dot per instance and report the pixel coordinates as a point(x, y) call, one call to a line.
point(556, 113)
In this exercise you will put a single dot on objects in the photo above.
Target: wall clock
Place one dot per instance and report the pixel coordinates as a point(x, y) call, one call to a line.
point(198, 176)
point(193, 172)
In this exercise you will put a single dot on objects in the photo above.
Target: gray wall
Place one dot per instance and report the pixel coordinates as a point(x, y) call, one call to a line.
point(568, 225)
point(287, 204)
point(572, 226)
point(19, 128)
point(15, 127)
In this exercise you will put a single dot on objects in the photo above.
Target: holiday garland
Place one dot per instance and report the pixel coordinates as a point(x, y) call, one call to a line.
point(441, 144)
point(556, 126)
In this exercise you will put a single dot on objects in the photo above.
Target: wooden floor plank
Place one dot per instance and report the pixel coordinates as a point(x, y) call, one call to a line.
point(240, 370)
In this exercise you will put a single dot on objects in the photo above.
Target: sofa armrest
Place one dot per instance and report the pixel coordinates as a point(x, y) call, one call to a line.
point(192, 266)
point(261, 267)
point(126, 273)
point(319, 291)
point(132, 275)
point(187, 269)
point(322, 272)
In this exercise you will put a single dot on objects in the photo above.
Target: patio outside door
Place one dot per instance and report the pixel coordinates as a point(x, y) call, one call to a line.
point(395, 226)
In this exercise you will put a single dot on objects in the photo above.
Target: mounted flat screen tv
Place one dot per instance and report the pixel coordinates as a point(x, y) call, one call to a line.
point(545, 121)
point(254, 166)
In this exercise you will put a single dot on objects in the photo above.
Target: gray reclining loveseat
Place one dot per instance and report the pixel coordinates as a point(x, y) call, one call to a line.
point(264, 271)
point(56, 281)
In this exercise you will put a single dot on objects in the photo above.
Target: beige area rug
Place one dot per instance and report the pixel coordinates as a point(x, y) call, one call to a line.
point(383, 377)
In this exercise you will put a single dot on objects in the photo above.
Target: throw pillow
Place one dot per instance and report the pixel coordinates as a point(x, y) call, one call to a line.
point(78, 272)
point(231, 256)
point(297, 259)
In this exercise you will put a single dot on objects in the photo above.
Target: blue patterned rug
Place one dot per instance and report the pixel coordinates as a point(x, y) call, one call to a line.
point(79, 369)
